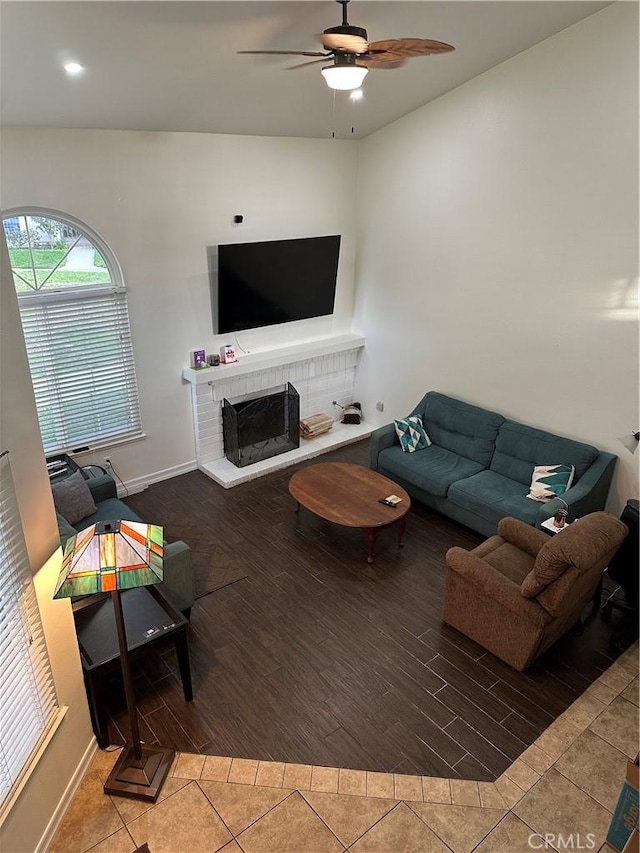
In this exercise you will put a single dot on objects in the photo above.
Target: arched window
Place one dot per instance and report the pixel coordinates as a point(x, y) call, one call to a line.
point(75, 319)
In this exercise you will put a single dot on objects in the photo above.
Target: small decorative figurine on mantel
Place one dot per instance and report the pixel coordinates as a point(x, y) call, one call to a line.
point(227, 354)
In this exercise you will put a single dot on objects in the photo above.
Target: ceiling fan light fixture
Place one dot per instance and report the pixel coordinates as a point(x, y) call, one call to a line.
point(344, 77)
point(73, 68)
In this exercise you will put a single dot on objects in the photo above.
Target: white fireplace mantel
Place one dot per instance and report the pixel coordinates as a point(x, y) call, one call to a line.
point(323, 371)
point(272, 358)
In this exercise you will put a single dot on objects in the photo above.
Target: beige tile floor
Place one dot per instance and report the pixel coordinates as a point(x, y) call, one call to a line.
point(566, 784)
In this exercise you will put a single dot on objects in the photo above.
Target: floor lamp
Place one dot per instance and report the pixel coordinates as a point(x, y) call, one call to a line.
point(112, 556)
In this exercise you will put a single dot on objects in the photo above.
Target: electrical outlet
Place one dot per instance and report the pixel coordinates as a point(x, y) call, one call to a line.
point(380, 406)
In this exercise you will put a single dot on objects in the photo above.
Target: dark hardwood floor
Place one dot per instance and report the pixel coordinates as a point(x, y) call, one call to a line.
point(319, 658)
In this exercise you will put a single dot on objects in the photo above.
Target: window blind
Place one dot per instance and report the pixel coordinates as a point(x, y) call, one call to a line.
point(27, 693)
point(81, 358)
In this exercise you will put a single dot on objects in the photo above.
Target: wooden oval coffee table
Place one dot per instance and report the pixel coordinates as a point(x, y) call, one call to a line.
point(349, 495)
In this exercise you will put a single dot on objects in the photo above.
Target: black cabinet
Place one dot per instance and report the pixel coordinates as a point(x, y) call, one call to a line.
point(624, 568)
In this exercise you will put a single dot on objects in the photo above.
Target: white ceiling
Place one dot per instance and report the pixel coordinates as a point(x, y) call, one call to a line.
point(173, 66)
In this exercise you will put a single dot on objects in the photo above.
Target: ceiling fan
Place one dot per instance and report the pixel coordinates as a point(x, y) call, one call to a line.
point(353, 55)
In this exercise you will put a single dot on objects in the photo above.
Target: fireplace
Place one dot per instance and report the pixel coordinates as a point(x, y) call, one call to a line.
point(321, 371)
point(261, 427)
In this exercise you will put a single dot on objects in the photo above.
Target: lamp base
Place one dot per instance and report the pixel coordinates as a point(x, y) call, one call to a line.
point(140, 778)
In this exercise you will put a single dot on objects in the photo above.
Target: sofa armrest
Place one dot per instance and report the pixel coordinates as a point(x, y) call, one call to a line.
point(102, 488)
point(523, 535)
point(178, 575)
point(488, 581)
point(588, 495)
point(380, 439)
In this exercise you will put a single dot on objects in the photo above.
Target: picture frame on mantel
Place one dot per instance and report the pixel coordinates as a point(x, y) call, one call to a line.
point(198, 359)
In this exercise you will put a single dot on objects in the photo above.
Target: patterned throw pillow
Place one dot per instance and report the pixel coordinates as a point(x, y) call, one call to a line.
point(550, 481)
point(411, 433)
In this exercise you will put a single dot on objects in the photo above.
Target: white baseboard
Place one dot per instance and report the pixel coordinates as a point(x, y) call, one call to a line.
point(139, 484)
point(227, 475)
point(65, 800)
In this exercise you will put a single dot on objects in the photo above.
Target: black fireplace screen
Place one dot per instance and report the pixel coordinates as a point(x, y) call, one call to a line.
point(258, 429)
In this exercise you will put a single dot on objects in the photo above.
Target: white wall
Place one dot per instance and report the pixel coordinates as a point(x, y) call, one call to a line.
point(498, 243)
point(159, 200)
point(44, 793)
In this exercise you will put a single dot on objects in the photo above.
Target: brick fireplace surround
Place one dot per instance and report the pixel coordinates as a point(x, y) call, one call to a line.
point(321, 371)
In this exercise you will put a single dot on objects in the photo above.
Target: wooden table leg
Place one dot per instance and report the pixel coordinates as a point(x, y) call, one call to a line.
point(401, 525)
point(372, 534)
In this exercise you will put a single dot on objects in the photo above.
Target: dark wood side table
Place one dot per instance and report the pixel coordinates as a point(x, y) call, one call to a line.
point(149, 618)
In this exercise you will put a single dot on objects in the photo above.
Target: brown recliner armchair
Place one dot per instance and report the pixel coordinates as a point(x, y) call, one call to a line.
point(520, 591)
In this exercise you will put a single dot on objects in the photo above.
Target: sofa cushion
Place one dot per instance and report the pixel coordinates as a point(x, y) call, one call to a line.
point(460, 427)
point(522, 535)
point(112, 509)
point(72, 498)
point(584, 546)
point(492, 497)
point(65, 530)
point(557, 595)
point(411, 434)
point(551, 562)
point(550, 481)
point(506, 558)
point(432, 470)
point(520, 448)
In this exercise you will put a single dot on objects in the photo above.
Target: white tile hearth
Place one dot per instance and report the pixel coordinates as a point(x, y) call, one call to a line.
point(227, 474)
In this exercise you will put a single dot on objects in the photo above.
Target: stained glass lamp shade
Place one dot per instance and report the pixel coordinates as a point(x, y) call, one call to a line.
point(109, 556)
point(114, 556)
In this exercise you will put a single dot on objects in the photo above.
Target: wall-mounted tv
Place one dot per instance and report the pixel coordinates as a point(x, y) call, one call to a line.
point(263, 284)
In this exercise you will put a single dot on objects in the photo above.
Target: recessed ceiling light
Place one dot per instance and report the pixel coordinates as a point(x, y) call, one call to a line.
point(73, 67)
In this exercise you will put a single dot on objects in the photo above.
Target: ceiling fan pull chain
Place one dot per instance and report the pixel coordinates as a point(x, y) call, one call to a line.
point(333, 133)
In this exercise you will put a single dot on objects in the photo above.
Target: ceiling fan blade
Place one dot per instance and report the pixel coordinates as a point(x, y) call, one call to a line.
point(410, 47)
point(343, 42)
point(304, 64)
point(386, 61)
point(287, 52)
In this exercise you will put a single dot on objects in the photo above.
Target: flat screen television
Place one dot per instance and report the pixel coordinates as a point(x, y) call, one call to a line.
point(263, 284)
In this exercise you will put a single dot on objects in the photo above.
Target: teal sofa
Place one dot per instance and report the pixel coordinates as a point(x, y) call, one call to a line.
point(479, 466)
point(178, 569)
